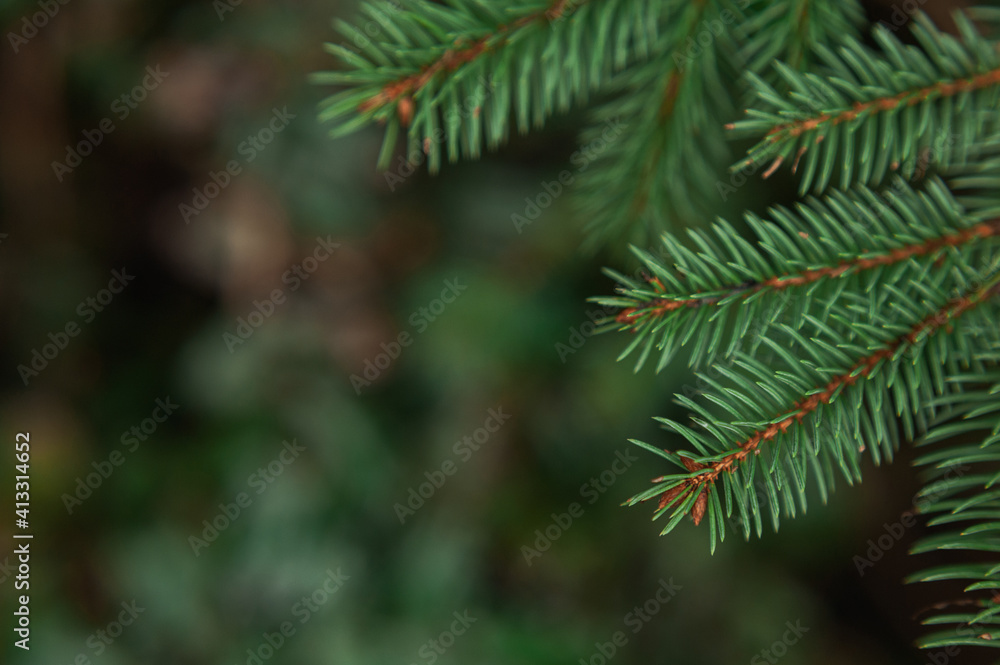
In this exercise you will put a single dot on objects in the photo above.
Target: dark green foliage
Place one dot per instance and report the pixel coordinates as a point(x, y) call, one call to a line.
point(462, 71)
point(837, 387)
point(453, 77)
point(868, 113)
point(849, 324)
point(961, 498)
point(789, 30)
point(804, 261)
point(662, 171)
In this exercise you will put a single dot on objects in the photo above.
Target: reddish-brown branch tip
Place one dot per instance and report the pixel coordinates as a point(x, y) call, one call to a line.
point(660, 305)
point(801, 409)
point(460, 54)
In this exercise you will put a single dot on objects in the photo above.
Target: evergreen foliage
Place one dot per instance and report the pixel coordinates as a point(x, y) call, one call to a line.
point(892, 106)
point(861, 318)
point(452, 75)
point(961, 497)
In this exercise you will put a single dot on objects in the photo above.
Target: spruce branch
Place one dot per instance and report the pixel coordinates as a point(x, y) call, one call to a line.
point(450, 77)
point(462, 54)
point(875, 112)
point(844, 242)
point(823, 423)
point(960, 489)
point(853, 321)
point(660, 174)
point(791, 30)
point(664, 303)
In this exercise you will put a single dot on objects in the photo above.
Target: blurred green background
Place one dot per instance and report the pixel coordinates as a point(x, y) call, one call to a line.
point(336, 513)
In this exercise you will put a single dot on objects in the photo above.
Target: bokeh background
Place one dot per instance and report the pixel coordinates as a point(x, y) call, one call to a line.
point(334, 508)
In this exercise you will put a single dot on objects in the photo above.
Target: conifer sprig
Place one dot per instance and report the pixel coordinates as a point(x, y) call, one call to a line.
point(451, 77)
point(816, 416)
point(876, 112)
point(789, 30)
point(661, 172)
point(854, 321)
point(961, 492)
point(845, 242)
point(462, 54)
